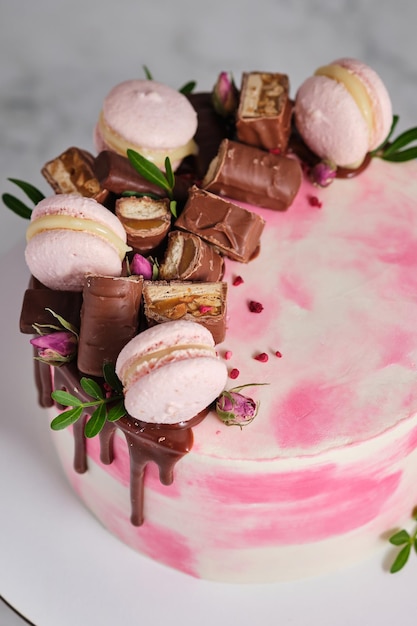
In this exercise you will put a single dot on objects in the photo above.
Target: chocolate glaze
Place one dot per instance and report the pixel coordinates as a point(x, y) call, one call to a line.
point(163, 445)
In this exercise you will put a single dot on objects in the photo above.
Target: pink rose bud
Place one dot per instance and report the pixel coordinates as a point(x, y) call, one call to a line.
point(235, 409)
point(56, 348)
point(225, 95)
point(323, 173)
point(141, 267)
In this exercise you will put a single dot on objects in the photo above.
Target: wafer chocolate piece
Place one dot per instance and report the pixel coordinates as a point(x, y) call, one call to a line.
point(109, 319)
point(188, 257)
point(145, 220)
point(38, 299)
point(265, 110)
point(117, 174)
point(72, 172)
point(252, 175)
point(204, 303)
point(235, 231)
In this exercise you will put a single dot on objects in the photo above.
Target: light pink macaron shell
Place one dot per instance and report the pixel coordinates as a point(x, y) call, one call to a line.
point(184, 385)
point(61, 258)
point(330, 121)
point(149, 114)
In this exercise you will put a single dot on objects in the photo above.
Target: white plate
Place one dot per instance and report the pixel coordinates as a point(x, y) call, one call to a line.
point(59, 566)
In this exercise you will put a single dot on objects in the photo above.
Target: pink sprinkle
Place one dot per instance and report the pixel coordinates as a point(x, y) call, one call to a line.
point(237, 281)
point(278, 354)
point(275, 151)
point(234, 373)
point(228, 355)
point(204, 309)
point(255, 307)
point(262, 357)
point(314, 201)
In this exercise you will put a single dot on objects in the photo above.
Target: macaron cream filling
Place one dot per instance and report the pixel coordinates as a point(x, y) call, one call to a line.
point(354, 86)
point(68, 222)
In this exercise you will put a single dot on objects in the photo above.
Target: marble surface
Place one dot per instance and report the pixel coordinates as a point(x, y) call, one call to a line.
point(58, 59)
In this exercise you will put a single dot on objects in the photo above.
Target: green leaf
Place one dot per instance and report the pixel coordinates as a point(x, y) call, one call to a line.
point(169, 173)
point(401, 155)
point(92, 388)
point(402, 140)
point(147, 72)
point(116, 412)
point(399, 538)
point(188, 87)
point(148, 170)
point(415, 543)
point(173, 208)
point(111, 377)
point(65, 398)
point(17, 206)
point(96, 422)
point(401, 559)
point(63, 322)
point(66, 418)
point(32, 192)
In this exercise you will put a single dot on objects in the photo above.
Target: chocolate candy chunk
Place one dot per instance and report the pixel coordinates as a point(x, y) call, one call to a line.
point(72, 172)
point(265, 110)
point(204, 303)
point(252, 175)
point(38, 299)
point(145, 220)
point(188, 257)
point(233, 230)
point(117, 174)
point(109, 319)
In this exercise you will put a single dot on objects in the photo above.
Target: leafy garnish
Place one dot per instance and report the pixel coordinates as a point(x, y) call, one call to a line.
point(154, 175)
point(109, 405)
point(147, 72)
point(393, 151)
point(16, 205)
point(407, 541)
point(188, 87)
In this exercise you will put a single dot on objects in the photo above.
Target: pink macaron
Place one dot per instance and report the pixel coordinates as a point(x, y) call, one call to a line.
point(70, 236)
point(170, 372)
point(343, 112)
point(150, 118)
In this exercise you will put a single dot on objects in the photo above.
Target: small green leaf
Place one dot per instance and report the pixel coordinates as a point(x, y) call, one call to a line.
point(188, 87)
point(96, 422)
point(17, 206)
point(415, 543)
point(92, 388)
point(111, 377)
point(32, 192)
point(63, 322)
point(147, 72)
point(65, 419)
point(65, 398)
point(402, 140)
point(169, 173)
point(116, 412)
point(399, 538)
point(401, 559)
point(401, 155)
point(173, 208)
point(147, 169)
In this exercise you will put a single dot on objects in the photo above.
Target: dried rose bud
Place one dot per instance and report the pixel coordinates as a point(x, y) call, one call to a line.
point(323, 173)
point(235, 409)
point(225, 95)
point(141, 267)
point(56, 348)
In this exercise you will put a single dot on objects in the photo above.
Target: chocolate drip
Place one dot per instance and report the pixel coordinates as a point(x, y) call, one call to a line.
point(43, 382)
point(162, 444)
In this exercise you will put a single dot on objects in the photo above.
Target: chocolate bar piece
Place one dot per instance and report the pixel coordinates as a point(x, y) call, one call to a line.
point(117, 174)
point(252, 175)
point(235, 231)
point(38, 298)
point(109, 319)
point(188, 257)
point(145, 220)
point(204, 303)
point(265, 110)
point(72, 172)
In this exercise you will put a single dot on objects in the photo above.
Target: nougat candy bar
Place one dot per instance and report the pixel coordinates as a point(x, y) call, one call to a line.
point(72, 172)
point(254, 176)
point(235, 231)
point(188, 257)
point(265, 110)
point(146, 221)
point(109, 319)
point(204, 303)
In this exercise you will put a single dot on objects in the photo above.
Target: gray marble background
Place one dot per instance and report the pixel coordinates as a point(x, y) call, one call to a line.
point(59, 58)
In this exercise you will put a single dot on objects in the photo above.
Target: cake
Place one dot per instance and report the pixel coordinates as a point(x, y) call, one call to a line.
point(307, 458)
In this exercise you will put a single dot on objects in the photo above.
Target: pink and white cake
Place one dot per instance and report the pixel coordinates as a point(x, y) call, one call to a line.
point(314, 462)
